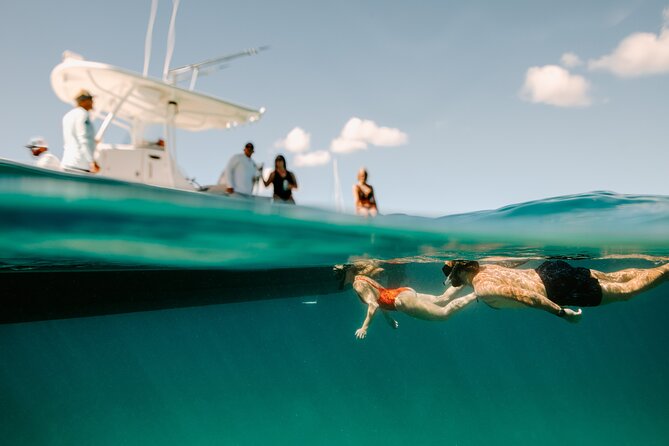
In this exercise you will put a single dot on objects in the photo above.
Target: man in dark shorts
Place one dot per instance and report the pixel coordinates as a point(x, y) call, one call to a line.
point(553, 285)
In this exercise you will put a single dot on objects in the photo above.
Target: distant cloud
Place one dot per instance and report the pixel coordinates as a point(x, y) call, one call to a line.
point(638, 54)
point(367, 131)
point(570, 60)
point(312, 159)
point(297, 141)
point(343, 145)
point(554, 85)
point(358, 133)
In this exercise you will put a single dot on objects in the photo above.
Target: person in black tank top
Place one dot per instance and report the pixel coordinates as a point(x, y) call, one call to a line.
point(283, 181)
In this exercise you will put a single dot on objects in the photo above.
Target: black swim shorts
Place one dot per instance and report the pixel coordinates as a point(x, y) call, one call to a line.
point(569, 286)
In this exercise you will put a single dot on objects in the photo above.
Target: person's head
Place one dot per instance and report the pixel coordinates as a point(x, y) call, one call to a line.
point(84, 100)
point(280, 162)
point(347, 273)
point(37, 145)
point(249, 149)
point(366, 289)
point(459, 272)
point(362, 174)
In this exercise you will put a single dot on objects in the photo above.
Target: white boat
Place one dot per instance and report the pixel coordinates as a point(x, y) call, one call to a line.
point(135, 102)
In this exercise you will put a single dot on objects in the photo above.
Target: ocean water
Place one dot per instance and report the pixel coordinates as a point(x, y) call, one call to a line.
point(284, 367)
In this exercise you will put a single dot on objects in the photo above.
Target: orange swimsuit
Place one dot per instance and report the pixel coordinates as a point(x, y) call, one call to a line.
point(387, 296)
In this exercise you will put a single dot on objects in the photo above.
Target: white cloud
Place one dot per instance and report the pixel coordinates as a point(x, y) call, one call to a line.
point(570, 60)
point(638, 54)
point(364, 130)
point(343, 145)
point(297, 141)
point(554, 85)
point(358, 133)
point(311, 159)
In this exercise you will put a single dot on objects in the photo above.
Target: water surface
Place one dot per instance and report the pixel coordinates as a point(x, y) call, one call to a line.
point(280, 371)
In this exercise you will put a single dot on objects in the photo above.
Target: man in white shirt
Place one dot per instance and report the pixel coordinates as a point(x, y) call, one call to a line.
point(79, 136)
point(38, 146)
point(241, 172)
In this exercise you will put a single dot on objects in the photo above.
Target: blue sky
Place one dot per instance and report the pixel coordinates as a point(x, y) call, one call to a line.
point(456, 106)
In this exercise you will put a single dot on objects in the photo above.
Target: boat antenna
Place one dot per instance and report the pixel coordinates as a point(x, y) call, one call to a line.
point(339, 200)
point(208, 66)
point(149, 37)
point(170, 39)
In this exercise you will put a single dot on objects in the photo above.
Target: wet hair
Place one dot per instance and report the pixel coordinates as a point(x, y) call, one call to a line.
point(280, 158)
point(453, 272)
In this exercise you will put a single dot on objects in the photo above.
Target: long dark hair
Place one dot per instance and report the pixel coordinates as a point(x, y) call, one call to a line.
point(280, 158)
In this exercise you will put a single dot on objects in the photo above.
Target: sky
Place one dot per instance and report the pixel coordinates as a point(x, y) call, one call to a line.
point(451, 106)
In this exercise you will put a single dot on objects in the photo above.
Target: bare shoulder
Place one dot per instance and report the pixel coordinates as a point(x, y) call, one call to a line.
point(494, 280)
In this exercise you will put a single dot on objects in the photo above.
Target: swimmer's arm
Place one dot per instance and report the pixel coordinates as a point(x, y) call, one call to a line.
point(459, 303)
point(392, 322)
point(361, 332)
point(450, 294)
point(539, 301)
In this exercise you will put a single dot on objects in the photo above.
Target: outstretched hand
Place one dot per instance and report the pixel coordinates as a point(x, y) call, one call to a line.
point(572, 316)
point(360, 333)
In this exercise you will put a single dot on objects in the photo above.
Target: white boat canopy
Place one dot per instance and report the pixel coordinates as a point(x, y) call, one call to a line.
point(135, 98)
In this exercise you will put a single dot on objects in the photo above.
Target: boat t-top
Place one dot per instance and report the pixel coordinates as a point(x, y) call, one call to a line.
point(134, 102)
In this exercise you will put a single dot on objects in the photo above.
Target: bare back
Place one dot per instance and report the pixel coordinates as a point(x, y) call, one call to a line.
point(499, 287)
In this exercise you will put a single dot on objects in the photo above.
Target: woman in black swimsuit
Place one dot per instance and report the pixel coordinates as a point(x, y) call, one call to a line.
point(283, 180)
point(363, 195)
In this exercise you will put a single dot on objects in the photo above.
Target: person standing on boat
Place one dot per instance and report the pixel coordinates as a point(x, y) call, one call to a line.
point(363, 196)
point(39, 147)
point(241, 172)
point(283, 180)
point(79, 136)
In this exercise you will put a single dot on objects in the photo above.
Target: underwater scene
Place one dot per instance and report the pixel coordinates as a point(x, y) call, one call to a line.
point(135, 315)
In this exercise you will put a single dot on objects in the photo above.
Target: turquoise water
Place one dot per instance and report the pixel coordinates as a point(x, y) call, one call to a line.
point(289, 370)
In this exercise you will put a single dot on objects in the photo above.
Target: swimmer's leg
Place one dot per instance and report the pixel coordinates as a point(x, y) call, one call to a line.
point(625, 284)
point(390, 320)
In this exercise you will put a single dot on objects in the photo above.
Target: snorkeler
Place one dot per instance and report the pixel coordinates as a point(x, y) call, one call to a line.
point(406, 300)
point(552, 285)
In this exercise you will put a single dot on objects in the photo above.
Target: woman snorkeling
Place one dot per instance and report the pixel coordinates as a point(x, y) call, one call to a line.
point(406, 300)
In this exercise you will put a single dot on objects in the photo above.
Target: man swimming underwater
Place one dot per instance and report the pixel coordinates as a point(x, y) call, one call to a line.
point(552, 285)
